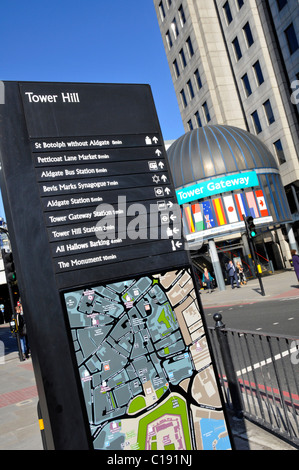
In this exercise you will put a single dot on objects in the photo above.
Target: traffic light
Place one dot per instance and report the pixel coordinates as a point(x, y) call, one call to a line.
point(251, 230)
point(9, 266)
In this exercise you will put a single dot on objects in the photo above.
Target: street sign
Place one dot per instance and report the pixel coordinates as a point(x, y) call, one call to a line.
point(114, 318)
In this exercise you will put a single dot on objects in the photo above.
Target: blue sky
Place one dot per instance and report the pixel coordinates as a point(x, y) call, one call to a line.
point(101, 41)
point(105, 41)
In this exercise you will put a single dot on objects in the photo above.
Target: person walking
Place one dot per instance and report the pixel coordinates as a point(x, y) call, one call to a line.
point(295, 259)
point(240, 271)
point(231, 271)
point(207, 279)
point(22, 331)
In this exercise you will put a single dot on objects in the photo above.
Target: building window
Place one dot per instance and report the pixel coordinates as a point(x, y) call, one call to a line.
point(175, 28)
point(206, 112)
point(183, 58)
point(228, 13)
point(248, 34)
point(279, 151)
point(198, 120)
point(162, 11)
point(256, 122)
point(168, 40)
point(240, 3)
point(237, 49)
point(176, 68)
point(246, 85)
point(291, 38)
point(182, 15)
point(183, 98)
point(190, 125)
point(269, 112)
point(190, 47)
point(190, 89)
point(258, 73)
point(197, 79)
point(281, 4)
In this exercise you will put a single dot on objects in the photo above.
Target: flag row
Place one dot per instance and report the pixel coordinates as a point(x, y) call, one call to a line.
point(225, 210)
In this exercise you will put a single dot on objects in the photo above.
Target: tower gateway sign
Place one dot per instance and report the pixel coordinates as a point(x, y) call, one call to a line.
point(217, 186)
point(115, 323)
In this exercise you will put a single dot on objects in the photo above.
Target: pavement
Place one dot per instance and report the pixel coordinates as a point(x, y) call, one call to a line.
point(282, 284)
point(19, 428)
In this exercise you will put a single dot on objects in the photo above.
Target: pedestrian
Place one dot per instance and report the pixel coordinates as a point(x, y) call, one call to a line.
point(231, 271)
point(240, 271)
point(295, 259)
point(207, 280)
point(22, 331)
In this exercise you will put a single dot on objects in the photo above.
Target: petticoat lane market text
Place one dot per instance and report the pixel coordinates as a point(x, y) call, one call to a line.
point(155, 459)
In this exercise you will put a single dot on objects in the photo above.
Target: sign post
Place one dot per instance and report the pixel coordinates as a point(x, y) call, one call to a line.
point(119, 345)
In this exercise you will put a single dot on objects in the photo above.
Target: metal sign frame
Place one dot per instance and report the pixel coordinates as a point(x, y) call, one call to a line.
point(40, 125)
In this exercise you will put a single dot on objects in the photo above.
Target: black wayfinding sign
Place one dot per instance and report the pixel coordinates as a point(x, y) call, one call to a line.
point(113, 316)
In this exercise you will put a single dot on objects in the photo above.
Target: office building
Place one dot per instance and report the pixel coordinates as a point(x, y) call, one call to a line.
point(236, 62)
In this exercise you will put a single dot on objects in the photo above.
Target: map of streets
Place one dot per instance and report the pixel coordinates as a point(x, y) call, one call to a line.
point(145, 365)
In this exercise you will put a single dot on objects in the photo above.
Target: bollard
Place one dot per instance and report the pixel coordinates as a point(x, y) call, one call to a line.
point(232, 380)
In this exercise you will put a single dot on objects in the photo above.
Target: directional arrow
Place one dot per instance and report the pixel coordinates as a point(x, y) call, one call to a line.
point(173, 217)
point(161, 165)
point(164, 178)
point(155, 139)
point(158, 152)
point(178, 244)
point(167, 190)
point(170, 204)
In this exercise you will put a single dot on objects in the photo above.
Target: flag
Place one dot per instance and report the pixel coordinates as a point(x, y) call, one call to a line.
point(261, 203)
point(241, 206)
point(230, 209)
point(208, 215)
point(252, 205)
point(189, 219)
point(219, 211)
point(197, 216)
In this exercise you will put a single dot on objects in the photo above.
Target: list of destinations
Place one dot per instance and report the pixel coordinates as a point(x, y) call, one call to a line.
point(106, 199)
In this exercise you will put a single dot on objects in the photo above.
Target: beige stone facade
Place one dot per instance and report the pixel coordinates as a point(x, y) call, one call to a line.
point(235, 62)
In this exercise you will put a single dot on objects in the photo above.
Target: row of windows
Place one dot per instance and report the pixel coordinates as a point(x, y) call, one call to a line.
point(162, 9)
point(190, 88)
point(180, 11)
point(259, 77)
point(198, 121)
point(228, 14)
point(289, 32)
point(268, 113)
point(268, 110)
point(182, 63)
point(174, 31)
point(249, 41)
point(227, 10)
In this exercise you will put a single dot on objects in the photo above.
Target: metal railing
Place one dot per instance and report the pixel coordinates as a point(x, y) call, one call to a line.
point(259, 375)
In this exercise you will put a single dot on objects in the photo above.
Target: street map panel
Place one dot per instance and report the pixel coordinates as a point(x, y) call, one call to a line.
point(145, 365)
